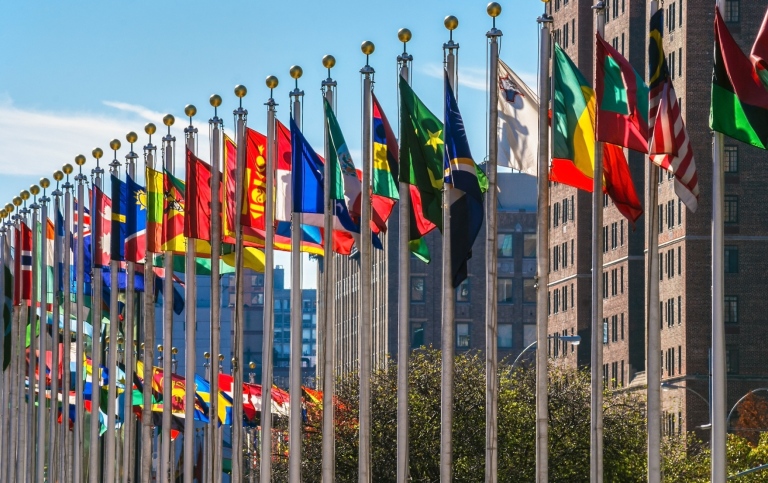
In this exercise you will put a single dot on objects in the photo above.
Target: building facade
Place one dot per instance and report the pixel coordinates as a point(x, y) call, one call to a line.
point(684, 237)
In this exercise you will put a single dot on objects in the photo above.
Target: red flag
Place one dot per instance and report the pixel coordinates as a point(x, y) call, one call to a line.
point(197, 203)
point(102, 227)
point(23, 264)
point(618, 183)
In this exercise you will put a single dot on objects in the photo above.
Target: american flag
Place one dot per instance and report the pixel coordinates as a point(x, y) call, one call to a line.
point(670, 147)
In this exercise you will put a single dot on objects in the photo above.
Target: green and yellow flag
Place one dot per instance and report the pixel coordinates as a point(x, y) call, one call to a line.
point(155, 199)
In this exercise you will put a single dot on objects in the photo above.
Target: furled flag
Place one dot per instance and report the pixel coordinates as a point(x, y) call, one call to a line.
point(155, 206)
point(739, 106)
point(119, 210)
point(670, 147)
point(102, 228)
point(385, 192)
point(467, 193)
point(518, 122)
point(622, 100)
point(7, 302)
point(135, 222)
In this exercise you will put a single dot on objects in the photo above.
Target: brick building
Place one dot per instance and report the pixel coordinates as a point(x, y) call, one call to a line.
point(685, 237)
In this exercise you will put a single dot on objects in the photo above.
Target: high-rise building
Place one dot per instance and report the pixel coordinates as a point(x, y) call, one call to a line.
point(685, 237)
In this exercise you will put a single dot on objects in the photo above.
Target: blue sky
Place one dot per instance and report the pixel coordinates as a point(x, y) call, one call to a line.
point(77, 74)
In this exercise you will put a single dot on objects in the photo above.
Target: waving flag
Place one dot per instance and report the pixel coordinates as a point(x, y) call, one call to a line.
point(119, 210)
point(102, 229)
point(197, 201)
point(155, 207)
point(135, 222)
point(518, 122)
point(307, 180)
point(25, 263)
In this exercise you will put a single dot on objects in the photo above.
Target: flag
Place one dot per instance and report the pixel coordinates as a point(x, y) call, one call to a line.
point(385, 192)
point(307, 179)
point(760, 53)
point(119, 210)
point(283, 197)
point(173, 215)
point(622, 100)
point(8, 302)
point(155, 207)
point(670, 147)
point(573, 113)
point(421, 152)
point(618, 183)
point(102, 228)
point(467, 194)
point(197, 202)
point(135, 222)
point(26, 262)
point(518, 129)
point(739, 107)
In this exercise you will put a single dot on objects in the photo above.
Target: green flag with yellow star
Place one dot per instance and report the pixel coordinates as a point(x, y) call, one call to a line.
point(421, 153)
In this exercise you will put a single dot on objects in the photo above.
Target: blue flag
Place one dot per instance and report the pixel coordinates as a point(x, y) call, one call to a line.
point(307, 175)
point(119, 210)
point(135, 222)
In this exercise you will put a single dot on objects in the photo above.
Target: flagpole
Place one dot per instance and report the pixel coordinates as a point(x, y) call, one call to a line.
point(147, 428)
point(294, 382)
point(111, 452)
point(241, 116)
point(596, 406)
point(169, 143)
point(448, 329)
point(214, 441)
point(190, 312)
point(129, 423)
point(326, 323)
point(54, 456)
point(94, 467)
point(491, 296)
point(269, 295)
point(365, 319)
point(7, 262)
point(79, 430)
point(719, 408)
point(19, 435)
point(65, 464)
point(42, 443)
point(33, 442)
point(404, 61)
point(542, 263)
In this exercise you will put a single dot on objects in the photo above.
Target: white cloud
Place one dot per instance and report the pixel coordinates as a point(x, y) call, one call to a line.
point(474, 77)
point(141, 111)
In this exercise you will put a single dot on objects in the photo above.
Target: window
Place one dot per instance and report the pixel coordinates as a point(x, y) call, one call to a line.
point(462, 293)
point(731, 214)
point(570, 210)
point(565, 254)
point(556, 301)
point(732, 359)
point(661, 218)
point(622, 326)
point(615, 8)
point(529, 290)
point(731, 159)
point(614, 235)
point(573, 36)
point(504, 336)
point(462, 335)
point(680, 13)
point(679, 260)
point(605, 285)
point(679, 310)
point(679, 359)
point(731, 259)
point(732, 13)
point(605, 239)
point(679, 212)
point(529, 334)
point(505, 289)
point(622, 232)
point(529, 245)
point(417, 289)
point(731, 307)
point(565, 211)
point(565, 298)
point(680, 62)
point(565, 29)
point(605, 330)
point(505, 244)
point(556, 214)
point(670, 214)
point(614, 328)
point(621, 280)
point(556, 259)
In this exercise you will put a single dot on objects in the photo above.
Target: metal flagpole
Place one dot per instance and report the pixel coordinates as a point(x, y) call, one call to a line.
point(66, 377)
point(294, 381)
point(42, 442)
point(213, 446)
point(718, 409)
point(447, 341)
point(111, 452)
point(4, 453)
point(241, 116)
point(147, 426)
point(653, 324)
point(19, 429)
point(326, 322)
point(35, 441)
point(269, 293)
point(129, 423)
point(94, 466)
point(10, 448)
point(169, 144)
point(596, 406)
point(542, 248)
point(491, 304)
point(190, 353)
point(365, 319)
point(54, 456)
point(79, 430)
point(404, 61)
point(24, 320)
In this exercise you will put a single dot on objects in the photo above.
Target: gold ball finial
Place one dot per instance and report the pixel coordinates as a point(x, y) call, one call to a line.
point(150, 128)
point(80, 160)
point(106, 339)
point(9, 208)
point(272, 82)
point(240, 91)
point(404, 35)
point(97, 153)
point(252, 365)
point(296, 72)
point(3, 213)
point(24, 195)
point(142, 346)
point(120, 340)
point(451, 22)
point(17, 201)
point(58, 175)
point(190, 110)
point(168, 120)
point(160, 348)
point(114, 144)
point(68, 168)
point(215, 100)
point(45, 183)
point(131, 137)
point(367, 47)
point(329, 61)
point(174, 350)
point(34, 189)
point(207, 355)
point(221, 357)
point(493, 9)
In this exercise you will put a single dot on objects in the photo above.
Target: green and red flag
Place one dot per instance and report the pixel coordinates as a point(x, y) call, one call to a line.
point(173, 215)
point(155, 205)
